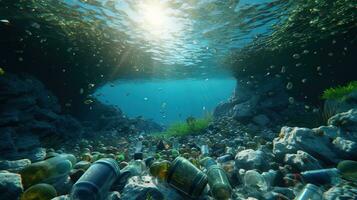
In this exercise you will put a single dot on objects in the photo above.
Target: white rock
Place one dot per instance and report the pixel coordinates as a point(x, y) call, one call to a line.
point(302, 161)
point(316, 144)
point(251, 159)
point(10, 186)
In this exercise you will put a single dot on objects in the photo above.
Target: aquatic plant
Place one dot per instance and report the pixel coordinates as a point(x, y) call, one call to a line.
point(195, 126)
point(339, 92)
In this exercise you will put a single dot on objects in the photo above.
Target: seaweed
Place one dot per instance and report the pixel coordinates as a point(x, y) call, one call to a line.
point(339, 92)
point(191, 127)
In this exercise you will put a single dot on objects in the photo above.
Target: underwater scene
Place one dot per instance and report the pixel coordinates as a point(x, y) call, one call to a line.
point(178, 100)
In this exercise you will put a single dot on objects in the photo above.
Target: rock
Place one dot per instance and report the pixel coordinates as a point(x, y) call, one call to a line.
point(114, 196)
point(261, 120)
point(285, 191)
point(340, 192)
point(346, 120)
point(14, 166)
point(10, 186)
point(291, 140)
point(302, 161)
point(251, 159)
point(244, 110)
point(223, 109)
point(346, 147)
point(36, 154)
point(143, 187)
point(82, 165)
point(40, 191)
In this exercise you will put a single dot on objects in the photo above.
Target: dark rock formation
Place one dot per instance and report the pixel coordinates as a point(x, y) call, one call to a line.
point(30, 114)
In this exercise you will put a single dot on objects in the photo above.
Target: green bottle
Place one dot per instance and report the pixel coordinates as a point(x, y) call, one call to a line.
point(44, 170)
point(186, 177)
point(160, 169)
point(348, 169)
point(217, 179)
point(40, 191)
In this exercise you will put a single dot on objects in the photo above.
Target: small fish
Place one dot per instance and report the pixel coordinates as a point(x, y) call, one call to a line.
point(88, 101)
point(2, 71)
point(5, 21)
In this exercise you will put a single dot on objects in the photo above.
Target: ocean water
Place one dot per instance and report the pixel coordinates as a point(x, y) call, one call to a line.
point(266, 88)
point(167, 101)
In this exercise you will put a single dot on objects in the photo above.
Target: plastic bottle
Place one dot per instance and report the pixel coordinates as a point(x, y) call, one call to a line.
point(227, 157)
point(204, 151)
point(253, 179)
point(217, 179)
point(310, 192)
point(138, 154)
point(45, 170)
point(321, 176)
point(95, 183)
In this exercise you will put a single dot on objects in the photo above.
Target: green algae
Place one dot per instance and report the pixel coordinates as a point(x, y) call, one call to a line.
point(191, 127)
point(339, 92)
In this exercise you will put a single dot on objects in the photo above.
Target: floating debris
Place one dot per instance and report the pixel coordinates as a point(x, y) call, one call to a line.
point(5, 21)
point(291, 100)
point(145, 98)
point(296, 56)
point(2, 71)
point(88, 101)
point(289, 86)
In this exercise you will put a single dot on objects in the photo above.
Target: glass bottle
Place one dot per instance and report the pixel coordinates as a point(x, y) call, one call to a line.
point(41, 191)
point(229, 155)
point(321, 176)
point(348, 169)
point(186, 177)
point(217, 179)
point(95, 183)
point(44, 170)
point(160, 169)
point(310, 192)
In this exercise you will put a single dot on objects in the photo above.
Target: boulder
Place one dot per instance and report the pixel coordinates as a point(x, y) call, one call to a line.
point(319, 145)
point(261, 120)
point(251, 159)
point(347, 121)
point(14, 166)
point(10, 186)
point(144, 187)
point(302, 161)
point(347, 148)
point(340, 192)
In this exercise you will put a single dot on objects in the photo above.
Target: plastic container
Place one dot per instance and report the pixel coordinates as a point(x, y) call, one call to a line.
point(227, 157)
point(217, 180)
point(204, 150)
point(95, 183)
point(187, 178)
point(253, 179)
point(47, 169)
point(321, 176)
point(310, 192)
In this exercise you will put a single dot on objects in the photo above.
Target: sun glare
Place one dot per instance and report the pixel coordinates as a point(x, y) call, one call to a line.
point(154, 18)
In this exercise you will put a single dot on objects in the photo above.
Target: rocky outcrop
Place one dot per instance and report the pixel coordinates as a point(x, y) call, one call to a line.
point(262, 103)
point(328, 143)
point(30, 114)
